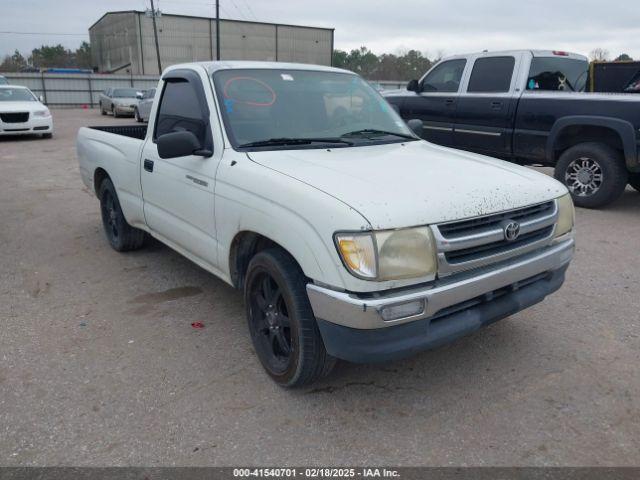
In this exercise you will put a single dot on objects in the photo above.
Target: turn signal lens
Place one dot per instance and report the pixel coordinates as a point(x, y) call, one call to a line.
point(358, 253)
point(566, 215)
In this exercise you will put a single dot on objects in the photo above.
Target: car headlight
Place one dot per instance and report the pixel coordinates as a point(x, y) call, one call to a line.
point(42, 113)
point(389, 254)
point(566, 215)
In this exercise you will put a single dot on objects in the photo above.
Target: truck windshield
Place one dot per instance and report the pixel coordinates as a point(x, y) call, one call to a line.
point(16, 95)
point(275, 108)
point(558, 73)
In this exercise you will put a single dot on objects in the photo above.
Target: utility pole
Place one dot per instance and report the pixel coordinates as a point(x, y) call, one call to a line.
point(217, 29)
point(155, 36)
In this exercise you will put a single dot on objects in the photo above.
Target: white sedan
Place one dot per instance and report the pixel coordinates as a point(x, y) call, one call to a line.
point(22, 113)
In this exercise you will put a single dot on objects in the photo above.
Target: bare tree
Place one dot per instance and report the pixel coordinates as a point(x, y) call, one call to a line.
point(599, 55)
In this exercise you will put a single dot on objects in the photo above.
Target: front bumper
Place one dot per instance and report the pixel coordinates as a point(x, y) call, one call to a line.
point(124, 109)
point(33, 126)
point(353, 329)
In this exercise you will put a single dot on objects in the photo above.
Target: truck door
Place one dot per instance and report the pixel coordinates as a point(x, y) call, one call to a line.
point(435, 103)
point(178, 193)
point(486, 107)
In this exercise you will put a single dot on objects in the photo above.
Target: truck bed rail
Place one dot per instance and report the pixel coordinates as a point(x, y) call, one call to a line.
point(133, 131)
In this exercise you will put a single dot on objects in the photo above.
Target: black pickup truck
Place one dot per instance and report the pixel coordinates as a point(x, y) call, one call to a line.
point(529, 107)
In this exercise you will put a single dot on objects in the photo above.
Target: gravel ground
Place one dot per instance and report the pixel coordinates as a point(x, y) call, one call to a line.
point(99, 364)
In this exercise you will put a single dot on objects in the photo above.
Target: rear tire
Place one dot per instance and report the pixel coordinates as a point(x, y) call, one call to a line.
point(594, 173)
point(47, 135)
point(102, 110)
point(121, 236)
point(113, 112)
point(634, 180)
point(283, 328)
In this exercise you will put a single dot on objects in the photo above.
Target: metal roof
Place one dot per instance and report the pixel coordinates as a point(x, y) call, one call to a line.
point(211, 18)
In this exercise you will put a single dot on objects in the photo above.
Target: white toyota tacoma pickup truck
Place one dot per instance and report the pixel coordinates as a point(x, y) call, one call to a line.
point(351, 237)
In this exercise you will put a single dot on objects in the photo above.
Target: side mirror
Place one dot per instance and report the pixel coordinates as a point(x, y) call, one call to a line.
point(180, 144)
point(139, 95)
point(41, 98)
point(413, 86)
point(415, 124)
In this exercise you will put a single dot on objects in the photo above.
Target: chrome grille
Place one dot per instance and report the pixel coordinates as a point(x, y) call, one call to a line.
point(480, 241)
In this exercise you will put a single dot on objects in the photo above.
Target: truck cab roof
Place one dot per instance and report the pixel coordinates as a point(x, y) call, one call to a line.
point(533, 53)
point(214, 66)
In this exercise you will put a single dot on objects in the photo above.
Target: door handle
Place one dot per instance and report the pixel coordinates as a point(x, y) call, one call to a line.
point(496, 105)
point(449, 101)
point(148, 165)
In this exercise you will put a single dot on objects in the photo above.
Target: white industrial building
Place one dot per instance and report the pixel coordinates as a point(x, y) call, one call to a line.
point(124, 41)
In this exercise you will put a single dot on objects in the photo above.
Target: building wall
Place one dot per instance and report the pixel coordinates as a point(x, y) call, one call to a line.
point(305, 45)
point(115, 41)
point(245, 41)
point(181, 39)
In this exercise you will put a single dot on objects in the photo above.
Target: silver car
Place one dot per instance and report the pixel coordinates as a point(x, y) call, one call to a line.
point(143, 110)
point(119, 101)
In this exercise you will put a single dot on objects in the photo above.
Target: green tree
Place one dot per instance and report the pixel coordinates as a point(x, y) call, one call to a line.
point(623, 57)
point(52, 56)
point(13, 63)
point(83, 56)
point(387, 66)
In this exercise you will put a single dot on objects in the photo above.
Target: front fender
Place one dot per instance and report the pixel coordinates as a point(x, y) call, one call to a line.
point(300, 218)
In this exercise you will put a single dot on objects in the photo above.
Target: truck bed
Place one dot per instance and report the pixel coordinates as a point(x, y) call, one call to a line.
point(138, 131)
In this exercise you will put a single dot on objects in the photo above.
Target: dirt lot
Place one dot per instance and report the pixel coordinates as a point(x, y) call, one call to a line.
point(99, 364)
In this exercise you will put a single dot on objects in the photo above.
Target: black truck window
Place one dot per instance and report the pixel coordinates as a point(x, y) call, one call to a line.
point(180, 109)
point(491, 75)
point(558, 73)
point(445, 77)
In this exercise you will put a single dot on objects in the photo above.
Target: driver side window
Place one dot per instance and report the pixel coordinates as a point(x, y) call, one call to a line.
point(445, 77)
point(180, 109)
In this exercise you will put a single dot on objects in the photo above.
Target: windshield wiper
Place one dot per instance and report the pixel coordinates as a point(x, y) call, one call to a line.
point(293, 141)
point(372, 131)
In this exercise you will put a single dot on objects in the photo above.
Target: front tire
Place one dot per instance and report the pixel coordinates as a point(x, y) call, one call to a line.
point(102, 110)
point(113, 112)
point(47, 135)
point(283, 328)
point(121, 236)
point(594, 173)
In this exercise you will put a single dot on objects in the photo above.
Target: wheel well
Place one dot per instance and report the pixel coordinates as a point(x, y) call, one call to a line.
point(98, 176)
point(575, 134)
point(244, 247)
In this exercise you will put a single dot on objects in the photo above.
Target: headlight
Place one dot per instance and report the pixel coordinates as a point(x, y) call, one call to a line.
point(42, 113)
point(566, 215)
point(389, 254)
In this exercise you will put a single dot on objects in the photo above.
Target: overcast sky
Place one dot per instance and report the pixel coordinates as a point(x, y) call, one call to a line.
point(431, 26)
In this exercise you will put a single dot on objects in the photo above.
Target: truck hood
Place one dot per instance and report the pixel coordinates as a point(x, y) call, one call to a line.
point(7, 107)
point(415, 183)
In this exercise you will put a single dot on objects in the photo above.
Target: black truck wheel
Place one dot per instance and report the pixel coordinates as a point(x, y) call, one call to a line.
point(594, 173)
point(634, 180)
point(283, 328)
point(121, 235)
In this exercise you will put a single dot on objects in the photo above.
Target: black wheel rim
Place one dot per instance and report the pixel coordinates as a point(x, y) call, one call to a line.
point(110, 215)
point(270, 323)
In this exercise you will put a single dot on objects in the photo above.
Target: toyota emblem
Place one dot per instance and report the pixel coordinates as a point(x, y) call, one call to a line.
point(511, 230)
